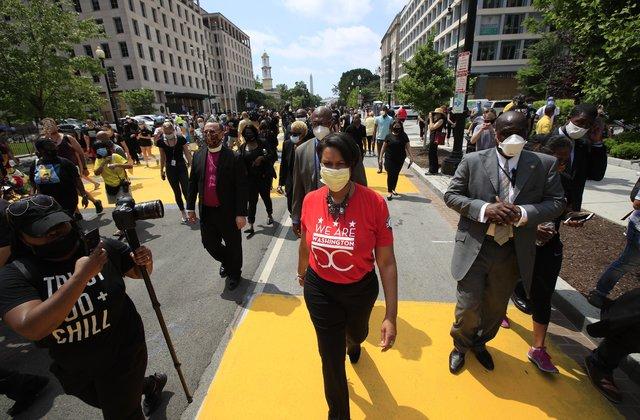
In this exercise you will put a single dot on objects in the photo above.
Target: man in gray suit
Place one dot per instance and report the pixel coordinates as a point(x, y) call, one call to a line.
point(306, 166)
point(502, 194)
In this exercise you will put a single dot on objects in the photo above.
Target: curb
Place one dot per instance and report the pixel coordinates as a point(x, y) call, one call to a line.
point(566, 298)
point(627, 164)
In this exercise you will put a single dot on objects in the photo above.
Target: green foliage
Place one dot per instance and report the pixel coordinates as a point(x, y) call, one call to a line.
point(250, 95)
point(139, 101)
point(369, 83)
point(622, 138)
point(40, 77)
point(258, 83)
point(299, 95)
point(606, 37)
point(626, 151)
point(565, 105)
point(429, 83)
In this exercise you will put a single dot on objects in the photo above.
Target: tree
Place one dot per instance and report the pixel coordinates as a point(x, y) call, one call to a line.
point(258, 83)
point(349, 80)
point(429, 83)
point(299, 95)
point(250, 96)
point(139, 101)
point(40, 76)
point(605, 35)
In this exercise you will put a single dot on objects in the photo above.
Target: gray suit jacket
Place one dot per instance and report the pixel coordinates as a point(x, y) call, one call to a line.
point(476, 182)
point(306, 180)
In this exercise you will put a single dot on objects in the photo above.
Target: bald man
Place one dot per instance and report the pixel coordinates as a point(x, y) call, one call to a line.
point(219, 181)
point(502, 194)
point(306, 165)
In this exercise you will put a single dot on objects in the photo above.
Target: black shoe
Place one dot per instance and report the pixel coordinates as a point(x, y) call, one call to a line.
point(602, 380)
point(484, 357)
point(521, 303)
point(597, 300)
point(250, 231)
point(153, 399)
point(270, 220)
point(456, 361)
point(234, 282)
point(77, 217)
point(223, 271)
point(354, 353)
point(31, 387)
point(99, 208)
point(390, 197)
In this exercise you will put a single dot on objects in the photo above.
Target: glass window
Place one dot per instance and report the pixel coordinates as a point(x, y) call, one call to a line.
point(145, 73)
point(124, 50)
point(133, 9)
point(175, 79)
point(513, 24)
point(155, 15)
point(489, 25)
point(182, 79)
point(168, 38)
point(166, 76)
point(140, 50)
point(78, 8)
point(114, 4)
point(155, 75)
point(171, 59)
point(88, 51)
point(152, 56)
point(147, 32)
point(528, 43)
point(491, 4)
point(487, 50)
point(510, 50)
point(516, 3)
point(164, 20)
point(161, 56)
point(106, 49)
point(158, 38)
point(95, 4)
point(136, 30)
point(129, 72)
point(143, 9)
point(118, 24)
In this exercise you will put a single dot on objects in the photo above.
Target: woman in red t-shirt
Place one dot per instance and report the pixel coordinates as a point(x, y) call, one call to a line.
point(345, 230)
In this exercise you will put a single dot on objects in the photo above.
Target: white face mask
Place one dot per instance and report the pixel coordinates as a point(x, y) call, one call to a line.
point(321, 132)
point(215, 149)
point(335, 179)
point(512, 145)
point(574, 131)
point(295, 139)
point(301, 119)
point(201, 125)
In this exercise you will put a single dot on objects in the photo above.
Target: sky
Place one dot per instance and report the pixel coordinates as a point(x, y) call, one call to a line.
point(320, 37)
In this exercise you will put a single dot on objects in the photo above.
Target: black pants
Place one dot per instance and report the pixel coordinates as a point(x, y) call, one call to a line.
point(259, 187)
point(117, 390)
point(545, 274)
point(178, 178)
point(433, 156)
point(340, 315)
point(393, 173)
point(217, 226)
point(134, 148)
point(15, 385)
point(614, 348)
point(370, 143)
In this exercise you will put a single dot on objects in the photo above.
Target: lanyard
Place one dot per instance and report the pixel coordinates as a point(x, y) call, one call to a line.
point(511, 177)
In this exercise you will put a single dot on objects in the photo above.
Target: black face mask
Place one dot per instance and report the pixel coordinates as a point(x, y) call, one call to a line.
point(249, 136)
point(60, 248)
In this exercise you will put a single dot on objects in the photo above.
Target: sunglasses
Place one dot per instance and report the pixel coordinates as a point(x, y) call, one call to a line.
point(20, 207)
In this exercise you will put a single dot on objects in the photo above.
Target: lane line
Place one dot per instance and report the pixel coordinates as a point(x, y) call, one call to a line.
point(441, 242)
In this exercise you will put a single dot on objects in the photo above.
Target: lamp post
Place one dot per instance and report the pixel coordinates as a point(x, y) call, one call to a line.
point(101, 56)
point(450, 12)
point(206, 75)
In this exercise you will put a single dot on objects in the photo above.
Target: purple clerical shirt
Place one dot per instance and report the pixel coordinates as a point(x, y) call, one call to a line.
point(211, 180)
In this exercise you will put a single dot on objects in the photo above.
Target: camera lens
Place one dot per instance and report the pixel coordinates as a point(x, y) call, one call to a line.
point(149, 210)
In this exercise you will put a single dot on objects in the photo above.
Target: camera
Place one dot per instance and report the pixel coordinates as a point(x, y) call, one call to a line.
point(127, 212)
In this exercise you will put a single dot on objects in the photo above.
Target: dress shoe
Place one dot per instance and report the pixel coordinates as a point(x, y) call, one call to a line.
point(153, 400)
point(354, 353)
point(456, 361)
point(521, 303)
point(597, 299)
point(234, 282)
point(602, 380)
point(484, 357)
point(223, 271)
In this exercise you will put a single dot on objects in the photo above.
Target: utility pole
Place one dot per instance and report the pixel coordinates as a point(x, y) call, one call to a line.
point(451, 163)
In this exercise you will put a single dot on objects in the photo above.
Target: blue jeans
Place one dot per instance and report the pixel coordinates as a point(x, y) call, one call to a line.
point(627, 261)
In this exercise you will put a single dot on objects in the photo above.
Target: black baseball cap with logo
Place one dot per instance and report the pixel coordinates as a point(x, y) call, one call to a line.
point(36, 215)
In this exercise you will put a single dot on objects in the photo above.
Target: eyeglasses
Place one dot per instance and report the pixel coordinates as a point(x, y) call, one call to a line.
point(20, 207)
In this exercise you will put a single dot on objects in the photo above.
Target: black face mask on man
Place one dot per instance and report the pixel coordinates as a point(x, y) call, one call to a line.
point(59, 248)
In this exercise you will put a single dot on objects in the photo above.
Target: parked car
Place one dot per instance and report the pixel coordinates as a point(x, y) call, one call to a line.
point(147, 119)
point(412, 114)
point(499, 105)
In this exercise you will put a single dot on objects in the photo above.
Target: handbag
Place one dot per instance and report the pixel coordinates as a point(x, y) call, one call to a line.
point(440, 138)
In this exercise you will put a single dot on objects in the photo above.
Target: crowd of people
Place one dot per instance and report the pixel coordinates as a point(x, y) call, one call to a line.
point(513, 191)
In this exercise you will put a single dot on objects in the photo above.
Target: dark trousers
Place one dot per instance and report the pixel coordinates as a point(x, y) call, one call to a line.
point(217, 226)
point(259, 187)
point(15, 385)
point(370, 144)
point(117, 391)
point(340, 315)
point(178, 178)
point(483, 294)
point(393, 173)
point(434, 165)
point(134, 148)
point(614, 348)
point(545, 274)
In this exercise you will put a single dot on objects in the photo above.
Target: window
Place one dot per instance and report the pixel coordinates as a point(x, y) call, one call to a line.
point(162, 56)
point(152, 56)
point(147, 31)
point(88, 51)
point(158, 37)
point(140, 50)
point(490, 25)
point(177, 44)
point(513, 24)
point(155, 15)
point(118, 24)
point(95, 4)
point(182, 79)
point(100, 23)
point(516, 3)
point(164, 20)
point(143, 9)
point(190, 82)
point(181, 29)
point(528, 43)
point(180, 62)
point(155, 75)
point(165, 76)
point(145, 73)
point(491, 4)
point(175, 79)
point(114, 4)
point(179, 11)
point(171, 59)
point(107, 50)
point(78, 8)
point(129, 72)
point(133, 9)
point(168, 38)
point(510, 50)
point(173, 24)
point(487, 50)
point(136, 30)
point(96, 78)
point(170, 6)
point(188, 66)
point(124, 50)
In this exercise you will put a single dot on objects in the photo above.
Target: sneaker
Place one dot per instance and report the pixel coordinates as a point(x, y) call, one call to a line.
point(505, 323)
point(596, 299)
point(270, 220)
point(99, 208)
point(540, 357)
point(602, 380)
point(153, 399)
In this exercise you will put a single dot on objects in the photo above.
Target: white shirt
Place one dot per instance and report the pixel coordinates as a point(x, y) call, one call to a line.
point(540, 112)
point(513, 164)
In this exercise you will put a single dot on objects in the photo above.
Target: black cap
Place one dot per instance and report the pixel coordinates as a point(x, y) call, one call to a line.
point(42, 214)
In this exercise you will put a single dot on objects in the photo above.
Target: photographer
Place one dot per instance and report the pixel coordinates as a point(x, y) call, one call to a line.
point(111, 167)
point(73, 302)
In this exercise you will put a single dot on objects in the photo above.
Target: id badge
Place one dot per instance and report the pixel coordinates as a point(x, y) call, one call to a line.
point(173, 162)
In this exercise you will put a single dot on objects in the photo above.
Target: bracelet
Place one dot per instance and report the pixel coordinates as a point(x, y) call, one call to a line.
point(300, 276)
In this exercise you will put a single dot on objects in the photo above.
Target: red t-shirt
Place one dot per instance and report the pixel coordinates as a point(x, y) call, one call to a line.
point(341, 251)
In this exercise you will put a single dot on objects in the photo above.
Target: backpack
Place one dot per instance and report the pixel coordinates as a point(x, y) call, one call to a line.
point(46, 173)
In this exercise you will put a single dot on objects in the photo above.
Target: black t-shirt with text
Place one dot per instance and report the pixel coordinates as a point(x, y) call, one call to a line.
point(103, 319)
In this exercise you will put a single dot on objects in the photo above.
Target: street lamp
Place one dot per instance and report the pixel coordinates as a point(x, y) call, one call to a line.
point(206, 75)
point(100, 55)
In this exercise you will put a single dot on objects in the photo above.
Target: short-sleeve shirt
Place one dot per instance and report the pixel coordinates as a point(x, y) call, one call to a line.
point(369, 123)
point(341, 251)
point(544, 125)
point(396, 150)
point(113, 177)
point(487, 139)
point(173, 153)
point(384, 123)
point(102, 319)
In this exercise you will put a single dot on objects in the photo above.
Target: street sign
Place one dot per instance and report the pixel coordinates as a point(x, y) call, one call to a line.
point(461, 84)
point(463, 63)
point(458, 103)
point(389, 90)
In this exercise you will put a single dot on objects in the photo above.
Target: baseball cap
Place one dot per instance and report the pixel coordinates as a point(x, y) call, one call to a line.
point(36, 215)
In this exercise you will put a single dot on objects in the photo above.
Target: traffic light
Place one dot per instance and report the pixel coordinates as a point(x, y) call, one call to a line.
point(111, 77)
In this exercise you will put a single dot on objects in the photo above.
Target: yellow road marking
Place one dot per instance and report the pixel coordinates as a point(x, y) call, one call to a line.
point(271, 370)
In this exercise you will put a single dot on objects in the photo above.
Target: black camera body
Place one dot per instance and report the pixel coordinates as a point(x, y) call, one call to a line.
point(127, 212)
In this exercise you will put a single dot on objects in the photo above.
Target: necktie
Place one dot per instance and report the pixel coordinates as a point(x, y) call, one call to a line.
point(503, 232)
